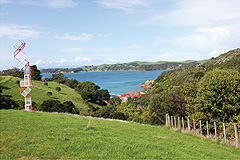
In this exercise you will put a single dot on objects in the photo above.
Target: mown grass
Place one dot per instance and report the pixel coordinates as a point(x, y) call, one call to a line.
point(39, 91)
point(37, 135)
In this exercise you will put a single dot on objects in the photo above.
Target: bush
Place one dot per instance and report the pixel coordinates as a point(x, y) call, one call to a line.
point(218, 96)
point(49, 94)
point(58, 89)
point(56, 106)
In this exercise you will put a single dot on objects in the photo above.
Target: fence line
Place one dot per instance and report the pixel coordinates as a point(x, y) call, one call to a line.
point(226, 131)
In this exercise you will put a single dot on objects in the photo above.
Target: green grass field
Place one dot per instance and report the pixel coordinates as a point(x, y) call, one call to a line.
point(37, 135)
point(39, 91)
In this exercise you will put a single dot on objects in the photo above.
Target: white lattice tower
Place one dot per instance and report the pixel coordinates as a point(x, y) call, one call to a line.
point(27, 82)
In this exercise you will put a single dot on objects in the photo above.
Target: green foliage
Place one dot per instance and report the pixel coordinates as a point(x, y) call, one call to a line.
point(90, 92)
point(56, 106)
point(218, 96)
point(49, 94)
point(15, 72)
point(139, 66)
point(36, 73)
point(39, 93)
point(58, 76)
point(58, 89)
point(69, 107)
point(115, 101)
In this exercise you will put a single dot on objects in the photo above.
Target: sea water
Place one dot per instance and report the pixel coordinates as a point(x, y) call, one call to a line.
point(116, 82)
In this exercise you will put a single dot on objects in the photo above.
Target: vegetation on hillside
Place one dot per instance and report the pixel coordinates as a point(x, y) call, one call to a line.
point(208, 91)
point(139, 66)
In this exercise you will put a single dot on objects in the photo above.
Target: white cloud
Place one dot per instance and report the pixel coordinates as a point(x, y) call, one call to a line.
point(86, 49)
point(129, 6)
point(211, 38)
point(82, 37)
point(60, 3)
point(134, 47)
point(80, 59)
point(18, 32)
point(198, 12)
point(49, 3)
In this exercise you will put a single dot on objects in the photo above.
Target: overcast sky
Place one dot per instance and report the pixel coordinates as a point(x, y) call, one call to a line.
point(73, 33)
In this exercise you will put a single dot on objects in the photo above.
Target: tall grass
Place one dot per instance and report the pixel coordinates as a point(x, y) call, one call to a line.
point(37, 135)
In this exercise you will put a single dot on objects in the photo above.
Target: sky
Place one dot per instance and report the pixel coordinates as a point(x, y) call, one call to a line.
point(74, 33)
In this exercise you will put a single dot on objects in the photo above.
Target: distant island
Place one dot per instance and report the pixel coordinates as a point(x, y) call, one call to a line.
point(136, 66)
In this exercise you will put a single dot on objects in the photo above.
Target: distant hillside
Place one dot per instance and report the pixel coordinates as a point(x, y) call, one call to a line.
point(139, 66)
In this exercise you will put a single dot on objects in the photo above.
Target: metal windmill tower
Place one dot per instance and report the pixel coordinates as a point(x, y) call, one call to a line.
point(28, 70)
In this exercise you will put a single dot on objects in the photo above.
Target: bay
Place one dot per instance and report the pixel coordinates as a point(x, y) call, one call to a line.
point(116, 82)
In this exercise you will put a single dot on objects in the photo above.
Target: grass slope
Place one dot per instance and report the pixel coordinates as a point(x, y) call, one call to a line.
point(37, 135)
point(39, 91)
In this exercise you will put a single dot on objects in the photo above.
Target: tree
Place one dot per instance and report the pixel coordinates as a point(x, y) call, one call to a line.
point(36, 75)
point(69, 107)
point(49, 94)
point(218, 96)
point(115, 101)
point(52, 106)
point(15, 72)
point(90, 92)
point(58, 76)
point(58, 89)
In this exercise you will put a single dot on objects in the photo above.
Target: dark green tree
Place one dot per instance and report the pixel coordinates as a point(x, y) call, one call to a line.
point(88, 91)
point(36, 75)
point(49, 94)
point(115, 101)
point(52, 106)
point(58, 76)
point(58, 89)
point(69, 107)
point(218, 96)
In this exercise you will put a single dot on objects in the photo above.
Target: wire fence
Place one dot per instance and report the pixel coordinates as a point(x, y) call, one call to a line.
point(226, 132)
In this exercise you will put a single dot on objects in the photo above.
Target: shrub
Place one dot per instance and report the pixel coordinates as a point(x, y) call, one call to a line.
point(49, 94)
point(58, 89)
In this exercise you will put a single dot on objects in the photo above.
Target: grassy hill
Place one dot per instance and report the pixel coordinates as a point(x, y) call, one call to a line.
point(39, 91)
point(37, 135)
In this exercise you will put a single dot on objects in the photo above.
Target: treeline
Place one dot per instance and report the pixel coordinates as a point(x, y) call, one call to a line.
point(139, 66)
point(210, 92)
point(16, 72)
point(89, 91)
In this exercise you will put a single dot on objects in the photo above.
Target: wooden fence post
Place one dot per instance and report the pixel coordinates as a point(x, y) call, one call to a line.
point(236, 135)
point(179, 124)
point(224, 132)
point(194, 127)
point(207, 129)
point(188, 124)
point(182, 123)
point(200, 123)
point(175, 122)
point(215, 128)
point(166, 120)
point(171, 122)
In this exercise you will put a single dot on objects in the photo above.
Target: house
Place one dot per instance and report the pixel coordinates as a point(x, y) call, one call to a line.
point(124, 97)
